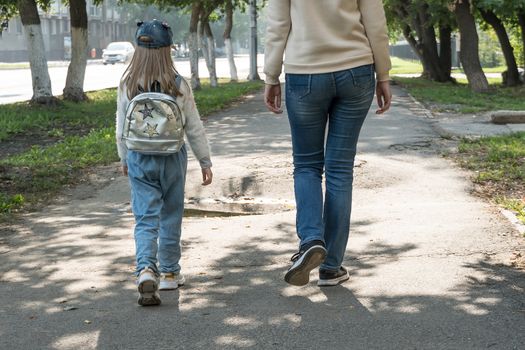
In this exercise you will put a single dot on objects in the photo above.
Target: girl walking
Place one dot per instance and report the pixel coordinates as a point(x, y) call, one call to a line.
point(157, 180)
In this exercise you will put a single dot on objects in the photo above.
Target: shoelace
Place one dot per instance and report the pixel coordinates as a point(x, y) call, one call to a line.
point(297, 255)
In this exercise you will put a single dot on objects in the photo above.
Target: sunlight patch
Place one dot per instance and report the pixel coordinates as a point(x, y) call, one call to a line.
point(232, 340)
point(87, 340)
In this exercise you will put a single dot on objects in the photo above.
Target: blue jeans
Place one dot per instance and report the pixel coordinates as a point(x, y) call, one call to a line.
point(339, 102)
point(157, 200)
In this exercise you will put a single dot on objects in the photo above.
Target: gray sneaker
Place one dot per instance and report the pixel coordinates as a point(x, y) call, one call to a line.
point(310, 256)
point(148, 286)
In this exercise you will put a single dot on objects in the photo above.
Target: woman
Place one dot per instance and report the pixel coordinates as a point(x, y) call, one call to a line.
point(332, 50)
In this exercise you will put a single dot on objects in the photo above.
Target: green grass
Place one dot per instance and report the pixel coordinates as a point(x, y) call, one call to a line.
point(98, 112)
point(459, 97)
point(402, 66)
point(14, 65)
point(39, 173)
point(210, 99)
point(499, 165)
point(498, 69)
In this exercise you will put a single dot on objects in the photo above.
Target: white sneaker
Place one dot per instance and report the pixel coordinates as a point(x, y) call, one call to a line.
point(148, 286)
point(171, 280)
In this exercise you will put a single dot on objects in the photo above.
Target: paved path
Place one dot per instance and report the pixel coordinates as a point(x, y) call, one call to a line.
point(429, 262)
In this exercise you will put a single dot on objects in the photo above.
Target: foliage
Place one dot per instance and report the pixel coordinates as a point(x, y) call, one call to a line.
point(10, 203)
point(487, 55)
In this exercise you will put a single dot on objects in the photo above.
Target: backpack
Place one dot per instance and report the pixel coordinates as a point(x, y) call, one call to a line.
point(154, 123)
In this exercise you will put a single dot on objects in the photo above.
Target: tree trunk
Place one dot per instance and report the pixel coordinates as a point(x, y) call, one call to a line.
point(42, 93)
point(193, 43)
point(521, 21)
point(228, 41)
point(469, 53)
point(445, 50)
point(208, 48)
point(425, 45)
point(429, 46)
point(74, 90)
point(512, 76)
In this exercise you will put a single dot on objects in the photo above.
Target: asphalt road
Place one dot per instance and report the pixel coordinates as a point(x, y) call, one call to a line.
point(16, 83)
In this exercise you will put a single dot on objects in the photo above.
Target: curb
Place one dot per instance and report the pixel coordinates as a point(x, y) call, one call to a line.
point(513, 220)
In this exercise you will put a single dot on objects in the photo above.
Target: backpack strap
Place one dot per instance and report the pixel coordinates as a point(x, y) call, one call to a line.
point(178, 81)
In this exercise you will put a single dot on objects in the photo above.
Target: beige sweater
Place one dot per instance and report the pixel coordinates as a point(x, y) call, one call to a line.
point(322, 36)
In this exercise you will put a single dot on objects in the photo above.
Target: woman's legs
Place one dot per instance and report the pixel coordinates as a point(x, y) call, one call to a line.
point(308, 99)
point(341, 100)
point(355, 91)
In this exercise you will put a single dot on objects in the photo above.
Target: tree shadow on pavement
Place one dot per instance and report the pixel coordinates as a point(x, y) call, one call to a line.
point(72, 291)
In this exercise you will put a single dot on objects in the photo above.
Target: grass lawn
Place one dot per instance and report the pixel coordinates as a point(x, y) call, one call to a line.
point(499, 165)
point(459, 98)
point(402, 66)
point(62, 141)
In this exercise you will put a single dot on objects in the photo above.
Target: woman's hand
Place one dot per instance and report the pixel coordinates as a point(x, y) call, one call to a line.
point(384, 96)
point(207, 176)
point(272, 98)
point(124, 170)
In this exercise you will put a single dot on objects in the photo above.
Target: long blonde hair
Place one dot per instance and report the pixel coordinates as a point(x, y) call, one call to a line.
point(148, 66)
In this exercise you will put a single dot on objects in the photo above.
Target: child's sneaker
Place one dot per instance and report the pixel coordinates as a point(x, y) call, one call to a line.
point(171, 280)
point(148, 287)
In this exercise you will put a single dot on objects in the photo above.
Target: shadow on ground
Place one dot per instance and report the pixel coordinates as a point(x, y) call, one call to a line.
point(238, 300)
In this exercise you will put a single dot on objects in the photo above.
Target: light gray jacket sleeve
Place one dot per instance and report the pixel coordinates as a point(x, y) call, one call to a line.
point(194, 129)
point(122, 103)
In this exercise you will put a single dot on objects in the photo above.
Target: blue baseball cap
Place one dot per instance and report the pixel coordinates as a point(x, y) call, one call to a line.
point(154, 34)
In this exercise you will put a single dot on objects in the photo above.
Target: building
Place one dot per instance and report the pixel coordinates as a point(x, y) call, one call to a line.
point(106, 23)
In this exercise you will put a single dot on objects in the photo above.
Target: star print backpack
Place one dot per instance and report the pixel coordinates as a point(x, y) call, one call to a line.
point(154, 123)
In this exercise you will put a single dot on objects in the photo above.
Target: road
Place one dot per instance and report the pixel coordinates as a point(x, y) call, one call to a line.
point(16, 83)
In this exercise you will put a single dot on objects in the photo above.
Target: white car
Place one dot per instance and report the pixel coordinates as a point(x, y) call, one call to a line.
point(120, 51)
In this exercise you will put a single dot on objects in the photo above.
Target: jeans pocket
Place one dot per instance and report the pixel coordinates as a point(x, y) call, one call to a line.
point(363, 76)
point(298, 85)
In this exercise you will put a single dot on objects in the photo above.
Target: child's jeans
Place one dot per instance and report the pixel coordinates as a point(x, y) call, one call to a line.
point(326, 112)
point(157, 200)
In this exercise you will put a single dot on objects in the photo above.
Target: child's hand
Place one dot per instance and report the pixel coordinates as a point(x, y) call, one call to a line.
point(207, 176)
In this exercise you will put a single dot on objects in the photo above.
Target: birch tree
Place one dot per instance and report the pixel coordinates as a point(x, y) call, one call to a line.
point(42, 93)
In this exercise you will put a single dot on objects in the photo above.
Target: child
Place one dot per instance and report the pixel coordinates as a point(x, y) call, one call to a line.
point(157, 181)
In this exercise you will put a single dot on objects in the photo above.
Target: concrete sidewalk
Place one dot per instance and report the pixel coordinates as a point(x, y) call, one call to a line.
point(429, 262)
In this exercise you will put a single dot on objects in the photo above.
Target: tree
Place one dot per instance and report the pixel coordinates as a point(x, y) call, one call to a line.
point(417, 20)
point(488, 10)
point(74, 89)
point(228, 10)
point(28, 11)
point(469, 46)
point(207, 40)
point(193, 43)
